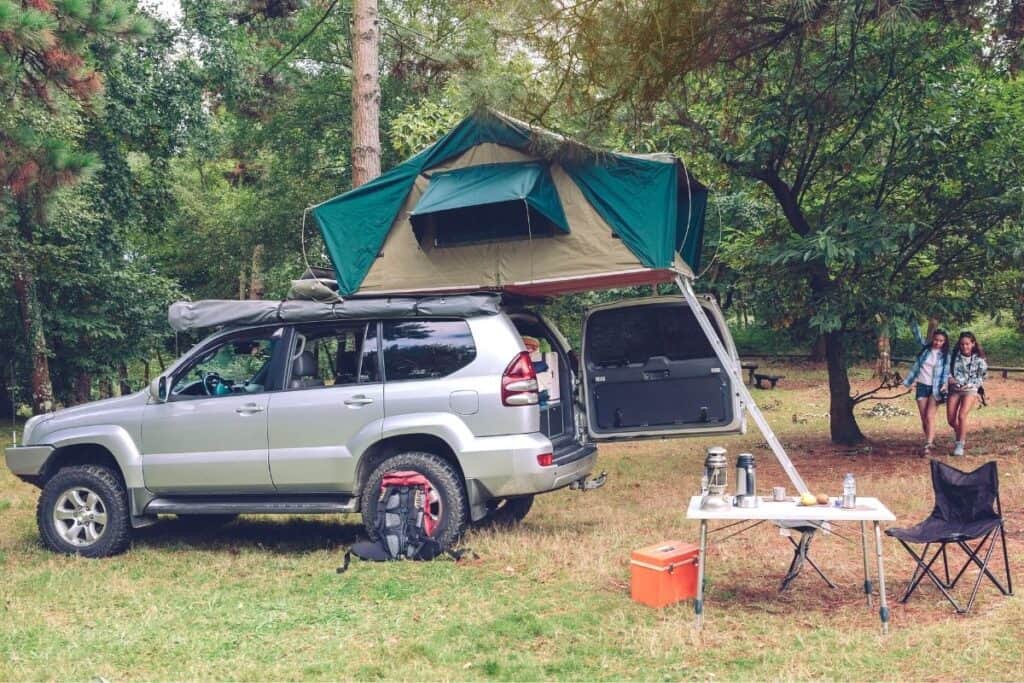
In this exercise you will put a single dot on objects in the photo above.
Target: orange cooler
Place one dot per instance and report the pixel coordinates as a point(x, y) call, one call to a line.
point(665, 573)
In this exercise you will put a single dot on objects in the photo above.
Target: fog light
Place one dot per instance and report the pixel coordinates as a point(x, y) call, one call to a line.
point(545, 459)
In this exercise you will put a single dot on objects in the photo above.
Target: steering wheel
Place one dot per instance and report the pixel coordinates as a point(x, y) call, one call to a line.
point(211, 383)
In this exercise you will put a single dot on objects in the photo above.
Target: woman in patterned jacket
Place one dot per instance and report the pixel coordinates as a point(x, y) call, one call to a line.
point(967, 370)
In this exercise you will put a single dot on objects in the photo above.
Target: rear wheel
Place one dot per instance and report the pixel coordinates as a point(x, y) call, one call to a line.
point(83, 510)
point(447, 503)
point(504, 512)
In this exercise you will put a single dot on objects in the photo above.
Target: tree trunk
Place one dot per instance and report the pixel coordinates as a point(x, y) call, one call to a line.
point(160, 360)
point(32, 324)
point(365, 92)
point(242, 282)
point(83, 387)
point(883, 364)
point(145, 371)
point(124, 386)
point(106, 387)
point(842, 423)
point(6, 401)
point(818, 350)
point(256, 286)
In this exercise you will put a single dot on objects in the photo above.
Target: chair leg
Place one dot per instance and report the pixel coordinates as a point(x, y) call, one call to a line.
point(983, 572)
point(1006, 560)
point(926, 570)
point(971, 556)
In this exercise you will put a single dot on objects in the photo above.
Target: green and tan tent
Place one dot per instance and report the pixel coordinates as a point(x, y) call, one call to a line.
point(498, 204)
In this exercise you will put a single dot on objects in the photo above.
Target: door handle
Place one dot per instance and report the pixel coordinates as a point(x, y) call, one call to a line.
point(359, 400)
point(249, 409)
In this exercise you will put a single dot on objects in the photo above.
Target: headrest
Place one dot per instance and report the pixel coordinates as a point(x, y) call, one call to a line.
point(304, 365)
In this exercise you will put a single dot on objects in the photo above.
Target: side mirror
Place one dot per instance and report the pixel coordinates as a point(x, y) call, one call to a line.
point(158, 389)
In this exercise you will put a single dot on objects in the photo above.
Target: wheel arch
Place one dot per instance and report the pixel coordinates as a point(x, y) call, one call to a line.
point(393, 445)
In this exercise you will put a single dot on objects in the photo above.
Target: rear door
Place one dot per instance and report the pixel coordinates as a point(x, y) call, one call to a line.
point(649, 371)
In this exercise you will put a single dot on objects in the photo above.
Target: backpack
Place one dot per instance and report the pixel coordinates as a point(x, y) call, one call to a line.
point(402, 527)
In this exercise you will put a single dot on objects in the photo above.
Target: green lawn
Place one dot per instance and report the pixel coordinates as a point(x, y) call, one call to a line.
point(260, 599)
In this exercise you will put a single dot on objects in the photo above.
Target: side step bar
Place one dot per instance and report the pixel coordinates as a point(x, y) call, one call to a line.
point(252, 505)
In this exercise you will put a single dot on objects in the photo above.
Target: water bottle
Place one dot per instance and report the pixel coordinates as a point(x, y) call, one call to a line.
point(849, 491)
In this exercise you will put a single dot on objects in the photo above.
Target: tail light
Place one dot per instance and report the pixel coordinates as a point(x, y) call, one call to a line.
point(546, 459)
point(519, 382)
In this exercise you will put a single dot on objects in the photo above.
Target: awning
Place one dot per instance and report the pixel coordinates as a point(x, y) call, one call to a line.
point(488, 202)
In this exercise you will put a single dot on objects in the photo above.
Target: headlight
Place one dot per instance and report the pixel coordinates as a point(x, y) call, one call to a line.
point(33, 422)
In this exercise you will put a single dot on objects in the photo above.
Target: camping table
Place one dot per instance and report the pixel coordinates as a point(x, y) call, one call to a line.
point(867, 510)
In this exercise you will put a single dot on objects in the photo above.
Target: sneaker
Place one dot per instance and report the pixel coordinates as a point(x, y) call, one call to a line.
point(959, 448)
point(927, 450)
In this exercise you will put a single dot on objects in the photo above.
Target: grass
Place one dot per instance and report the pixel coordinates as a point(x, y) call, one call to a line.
point(260, 599)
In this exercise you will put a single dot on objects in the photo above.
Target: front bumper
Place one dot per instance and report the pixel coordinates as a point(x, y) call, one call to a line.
point(26, 462)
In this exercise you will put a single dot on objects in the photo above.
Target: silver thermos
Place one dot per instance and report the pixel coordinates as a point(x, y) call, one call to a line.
point(746, 481)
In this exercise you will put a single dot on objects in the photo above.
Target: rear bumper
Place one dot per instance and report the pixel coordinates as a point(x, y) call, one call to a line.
point(507, 465)
point(26, 462)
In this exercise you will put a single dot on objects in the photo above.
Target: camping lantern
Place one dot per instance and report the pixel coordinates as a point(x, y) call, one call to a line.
point(715, 468)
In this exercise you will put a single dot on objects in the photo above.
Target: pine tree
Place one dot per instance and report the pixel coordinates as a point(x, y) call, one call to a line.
point(47, 80)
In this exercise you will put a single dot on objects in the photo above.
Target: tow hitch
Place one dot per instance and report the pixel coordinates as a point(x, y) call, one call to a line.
point(586, 484)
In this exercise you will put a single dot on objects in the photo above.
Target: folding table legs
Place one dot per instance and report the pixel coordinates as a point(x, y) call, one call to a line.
point(883, 610)
point(698, 604)
point(867, 575)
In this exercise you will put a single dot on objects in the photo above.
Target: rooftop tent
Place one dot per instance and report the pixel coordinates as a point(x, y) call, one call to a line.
point(499, 204)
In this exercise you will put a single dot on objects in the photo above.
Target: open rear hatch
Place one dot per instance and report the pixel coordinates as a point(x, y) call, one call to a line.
point(649, 372)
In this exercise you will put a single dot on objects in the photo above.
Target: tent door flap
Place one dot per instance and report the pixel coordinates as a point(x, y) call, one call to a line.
point(649, 372)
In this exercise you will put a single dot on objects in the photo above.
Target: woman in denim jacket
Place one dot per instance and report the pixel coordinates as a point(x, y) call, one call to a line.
point(929, 372)
point(967, 373)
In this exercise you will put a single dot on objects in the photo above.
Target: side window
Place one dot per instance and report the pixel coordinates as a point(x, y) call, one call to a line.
point(242, 364)
point(426, 349)
point(332, 354)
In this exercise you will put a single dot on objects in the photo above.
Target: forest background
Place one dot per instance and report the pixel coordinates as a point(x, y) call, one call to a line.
point(866, 159)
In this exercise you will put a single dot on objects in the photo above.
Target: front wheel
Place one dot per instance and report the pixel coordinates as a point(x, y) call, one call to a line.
point(83, 510)
point(446, 506)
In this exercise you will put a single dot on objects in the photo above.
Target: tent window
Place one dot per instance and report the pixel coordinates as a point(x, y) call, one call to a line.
point(504, 221)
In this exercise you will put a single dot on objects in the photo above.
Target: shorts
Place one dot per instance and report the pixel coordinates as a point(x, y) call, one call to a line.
point(966, 391)
point(923, 391)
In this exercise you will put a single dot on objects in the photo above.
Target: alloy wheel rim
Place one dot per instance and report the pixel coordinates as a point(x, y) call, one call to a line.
point(80, 517)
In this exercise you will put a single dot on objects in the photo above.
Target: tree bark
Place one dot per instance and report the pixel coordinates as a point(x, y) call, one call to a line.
point(106, 387)
point(818, 350)
point(32, 324)
point(6, 402)
point(883, 364)
point(124, 386)
point(365, 92)
point(256, 286)
point(83, 387)
point(842, 422)
point(242, 282)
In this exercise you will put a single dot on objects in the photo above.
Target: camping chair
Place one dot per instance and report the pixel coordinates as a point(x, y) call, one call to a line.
point(967, 508)
point(807, 531)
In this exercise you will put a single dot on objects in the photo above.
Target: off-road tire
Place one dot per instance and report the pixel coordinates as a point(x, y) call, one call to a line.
point(506, 512)
point(453, 513)
point(116, 534)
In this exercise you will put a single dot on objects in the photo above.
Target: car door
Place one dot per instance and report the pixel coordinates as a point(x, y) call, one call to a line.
point(330, 409)
point(650, 372)
point(210, 436)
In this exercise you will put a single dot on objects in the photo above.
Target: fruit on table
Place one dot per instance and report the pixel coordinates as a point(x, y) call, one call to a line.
point(822, 499)
point(808, 499)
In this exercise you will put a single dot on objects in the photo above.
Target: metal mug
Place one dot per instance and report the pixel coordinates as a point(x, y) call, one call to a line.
point(779, 494)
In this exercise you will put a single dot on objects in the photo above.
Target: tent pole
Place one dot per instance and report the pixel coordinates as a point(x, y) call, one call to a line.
point(735, 372)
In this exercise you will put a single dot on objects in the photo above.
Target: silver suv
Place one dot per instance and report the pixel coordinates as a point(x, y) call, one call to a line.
point(308, 417)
